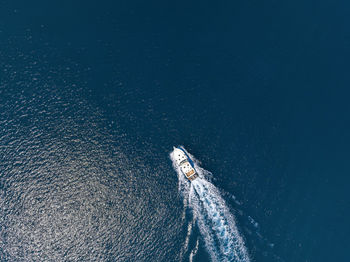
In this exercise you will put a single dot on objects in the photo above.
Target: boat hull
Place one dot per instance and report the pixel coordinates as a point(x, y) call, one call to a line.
point(185, 163)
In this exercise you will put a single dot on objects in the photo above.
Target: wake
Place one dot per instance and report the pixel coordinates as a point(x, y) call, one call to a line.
point(215, 222)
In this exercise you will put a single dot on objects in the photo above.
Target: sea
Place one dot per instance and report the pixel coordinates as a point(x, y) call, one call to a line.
point(95, 94)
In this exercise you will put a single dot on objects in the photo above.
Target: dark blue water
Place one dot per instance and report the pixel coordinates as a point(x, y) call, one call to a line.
point(94, 94)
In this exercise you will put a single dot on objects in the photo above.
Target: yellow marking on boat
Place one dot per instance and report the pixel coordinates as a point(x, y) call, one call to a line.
point(191, 172)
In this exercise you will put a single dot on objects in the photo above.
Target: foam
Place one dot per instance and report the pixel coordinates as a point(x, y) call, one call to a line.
point(215, 222)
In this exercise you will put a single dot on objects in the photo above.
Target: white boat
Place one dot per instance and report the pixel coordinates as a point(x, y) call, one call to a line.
point(185, 163)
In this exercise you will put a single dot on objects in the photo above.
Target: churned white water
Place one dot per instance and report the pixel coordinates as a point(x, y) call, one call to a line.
point(214, 220)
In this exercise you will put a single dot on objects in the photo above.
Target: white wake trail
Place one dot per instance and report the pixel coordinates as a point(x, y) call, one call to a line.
point(215, 222)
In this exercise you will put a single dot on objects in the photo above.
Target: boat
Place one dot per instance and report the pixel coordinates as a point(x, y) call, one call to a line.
point(185, 163)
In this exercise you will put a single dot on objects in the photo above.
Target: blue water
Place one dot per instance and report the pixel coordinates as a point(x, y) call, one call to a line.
point(94, 95)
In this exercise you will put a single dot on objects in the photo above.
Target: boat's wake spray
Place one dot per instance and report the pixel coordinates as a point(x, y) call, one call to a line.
point(216, 224)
